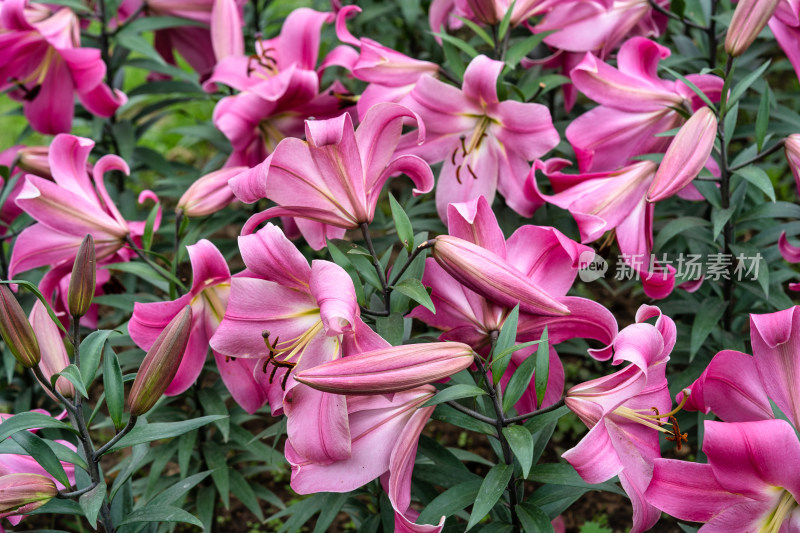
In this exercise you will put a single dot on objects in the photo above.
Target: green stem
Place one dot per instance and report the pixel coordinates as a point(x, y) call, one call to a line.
point(107, 446)
point(387, 292)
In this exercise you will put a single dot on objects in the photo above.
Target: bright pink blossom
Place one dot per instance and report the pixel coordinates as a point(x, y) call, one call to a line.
point(485, 144)
point(44, 66)
point(635, 105)
point(336, 176)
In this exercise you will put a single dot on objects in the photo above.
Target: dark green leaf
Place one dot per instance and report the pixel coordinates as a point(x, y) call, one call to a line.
point(405, 232)
point(719, 217)
point(533, 519)
point(161, 513)
point(342, 260)
point(454, 60)
point(161, 430)
point(708, 316)
point(521, 443)
point(506, 22)
point(390, 328)
point(220, 473)
point(175, 492)
point(542, 367)
point(520, 49)
point(746, 82)
point(759, 178)
point(39, 450)
point(762, 119)
point(414, 289)
point(458, 43)
point(29, 420)
point(450, 501)
point(492, 488)
point(114, 388)
point(92, 501)
point(147, 237)
point(446, 413)
point(156, 23)
point(333, 505)
point(91, 350)
point(73, 375)
point(480, 32)
point(213, 404)
point(505, 340)
point(455, 392)
point(518, 383)
point(693, 87)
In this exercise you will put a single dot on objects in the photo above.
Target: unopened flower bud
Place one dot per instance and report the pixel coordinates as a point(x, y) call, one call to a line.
point(493, 277)
point(485, 11)
point(210, 193)
point(387, 370)
point(22, 493)
point(34, 160)
point(748, 20)
point(51, 346)
point(83, 280)
point(161, 363)
point(686, 156)
point(792, 151)
point(17, 331)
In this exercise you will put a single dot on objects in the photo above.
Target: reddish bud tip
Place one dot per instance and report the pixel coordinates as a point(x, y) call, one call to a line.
point(22, 493)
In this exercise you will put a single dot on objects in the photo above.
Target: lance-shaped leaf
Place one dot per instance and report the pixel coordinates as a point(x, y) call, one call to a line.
point(387, 370)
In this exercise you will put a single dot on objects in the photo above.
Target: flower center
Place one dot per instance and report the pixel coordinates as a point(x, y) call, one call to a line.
point(785, 506)
point(653, 421)
point(468, 147)
point(290, 352)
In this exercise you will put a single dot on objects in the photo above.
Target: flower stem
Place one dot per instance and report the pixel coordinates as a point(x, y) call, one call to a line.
point(387, 292)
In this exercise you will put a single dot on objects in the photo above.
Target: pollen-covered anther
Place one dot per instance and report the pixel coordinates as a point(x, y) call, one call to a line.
point(677, 437)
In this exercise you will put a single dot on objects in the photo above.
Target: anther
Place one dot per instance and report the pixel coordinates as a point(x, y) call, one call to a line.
point(471, 172)
point(453, 157)
point(655, 410)
point(458, 174)
point(677, 437)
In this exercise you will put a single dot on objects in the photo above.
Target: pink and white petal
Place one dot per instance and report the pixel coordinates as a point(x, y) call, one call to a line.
point(86, 67)
point(789, 252)
point(361, 339)
point(547, 256)
point(377, 137)
point(443, 108)
point(594, 457)
point(298, 43)
point(68, 157)
point(208, 266)
point(52, 109)
point(474, 221)
point(317, 424)
point(150, 319)
point(270, 255)
point(39, 245)
point(227, 38)
point(474, 176)
point(480, 80)
point(512, 172)
point(524, 128)
point(237, 375)
point(102, 101)
point(317, 234)
point(333, 291)
point(192, 361)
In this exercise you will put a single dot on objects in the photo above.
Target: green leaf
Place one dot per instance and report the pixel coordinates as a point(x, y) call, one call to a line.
point(91, 350)
point(147, 237)
point(675, 228)
point(533, 519)
point(759, 178)
point(505, 340)
point(137, 43)
point(75, 5)
point(39, 450)
point(520, 49)
point(447, 414)
point(414, 289)
point(518, 383)
point(215, 459)
point(450, 501)
point(144, 24)
point(693, 87)
point(92, 501)
point(762, 119)
point(390, 328)
point(565, 474)
point(729, 123)
point(176, 491)
point(341, 259)
point(64, 454)
point(213, 404)
point(244, 493)
point(719, 217)
point(708, 316)
point(746, 82)
point(542, 367)
point(480, 32)
point(458, 43)
point(73, 375)
point(405, 232)
point(506, 22)
point(160, 513)
point(521, 442)
point(454, 59)
point(455, 392)
point(114, 388)
point(332, 507)
point(30, 420)
point(162, 430)
point(492, 488)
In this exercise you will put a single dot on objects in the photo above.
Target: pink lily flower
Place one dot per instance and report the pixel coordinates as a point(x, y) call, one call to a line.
point(71, 206)
point(601, 201)
point(384, 436)
point(792, 152)
point(618, 409)
point(280, 87)
point(25, 464)
point(336, 175)
point(599, 26)
point(9, 211)
point(208, 298)
point(751, 481)
point(785, 26)
point(635, 105)
point(485, 144)
point(484, 11)
point(390, 74)
point(548, 260)
point(44, 66)
point(313, 318)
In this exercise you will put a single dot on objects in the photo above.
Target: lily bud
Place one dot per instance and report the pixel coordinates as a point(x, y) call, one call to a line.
point(686, 155)
point(51, 346)
point(83, 280)
point(210, 193)
point(388, 370)
point(486, 11)
point(161, 363)
point(22, 493)
point(17, 331)
point(748, 20)
point(35, 160)
point(792, 151)
point(492, 277)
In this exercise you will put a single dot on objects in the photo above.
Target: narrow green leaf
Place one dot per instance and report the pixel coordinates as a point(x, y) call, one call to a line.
point(729, 123)
point(480, 32)
point(708, 316)
point(73, 375)
point(213, 404)
point(220, 473)
point(542, 367)
point(492, 488)
point(405, 232)
point(719, 217)
point(759, 178)
point(161, 513)
point(447, 414)
point(332, 507)
point(505, 340)
point(506, 22)
point(341, 259)
point(390, 328)
point(520, 49)
point(29, 420)
point(454, 59)
point(244, 493)
point(518, 383)
point(455, 392)
point(176, 491)
point(458, 43)
point(161, 430)
point(40, 451)
point(114, 388)
point(693, 87)
point(521, 442)
point(746, 82)
point(147, 237)
point(91, 350)
point(92, 501)
point(185, 449)
point(137, 43)
point(533, 519)
point(762, 119)
point(450, 501)
point(414, 289)
point(146, 24)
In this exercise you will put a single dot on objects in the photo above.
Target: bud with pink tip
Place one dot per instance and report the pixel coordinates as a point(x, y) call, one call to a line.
point(748, 20)
point(17, 331)
point(83, 280)
point(23, 493)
